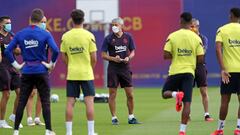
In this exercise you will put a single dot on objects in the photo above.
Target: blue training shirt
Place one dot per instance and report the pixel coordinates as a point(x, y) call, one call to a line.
point(32, 42)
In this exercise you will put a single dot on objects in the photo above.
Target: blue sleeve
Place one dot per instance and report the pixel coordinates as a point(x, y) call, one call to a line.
point(205, 42)
point(105, 45)
point(55, 50)
point(131, 43)
point(9, 50)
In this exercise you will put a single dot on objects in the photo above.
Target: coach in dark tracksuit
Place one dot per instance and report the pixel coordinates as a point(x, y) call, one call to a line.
point(118, 48)
point(32, 41)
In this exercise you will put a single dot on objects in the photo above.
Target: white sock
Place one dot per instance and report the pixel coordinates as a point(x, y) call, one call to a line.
point(69, 127)
point(174, 94)
point(29, 119)
point(91, 127)
point(2, 121)
point(114, 117)
point(206, 113)
point(183, 127)
point(130, 116)
point(238, 123)
point(37, 119)
point(220, 124)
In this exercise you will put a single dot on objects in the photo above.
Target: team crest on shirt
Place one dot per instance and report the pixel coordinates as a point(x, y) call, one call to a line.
point(113, 40)
point(125, 41)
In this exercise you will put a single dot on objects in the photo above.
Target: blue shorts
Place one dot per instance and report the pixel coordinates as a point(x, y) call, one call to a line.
point(73, 88)
point(180, 82)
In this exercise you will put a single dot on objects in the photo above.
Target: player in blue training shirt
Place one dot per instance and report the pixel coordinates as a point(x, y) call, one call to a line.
point(32, 42)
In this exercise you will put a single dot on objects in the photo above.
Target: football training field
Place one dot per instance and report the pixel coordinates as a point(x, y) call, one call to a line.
point(158, 116)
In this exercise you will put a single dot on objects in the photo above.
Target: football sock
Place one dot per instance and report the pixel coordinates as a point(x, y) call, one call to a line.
point(90, 127)
point(183, 127)
point(220, 124)
point(174, 94)
point(69, 127)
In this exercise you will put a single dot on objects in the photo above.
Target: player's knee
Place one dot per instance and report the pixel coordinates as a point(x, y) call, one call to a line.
point(130, 97)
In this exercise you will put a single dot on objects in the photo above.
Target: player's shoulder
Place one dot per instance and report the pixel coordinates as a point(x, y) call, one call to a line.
point(128, 34)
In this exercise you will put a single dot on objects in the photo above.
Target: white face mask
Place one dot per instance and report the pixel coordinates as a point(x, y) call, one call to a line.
point(115, 29)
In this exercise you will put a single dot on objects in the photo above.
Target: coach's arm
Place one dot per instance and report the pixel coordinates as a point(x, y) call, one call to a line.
point(105, 56)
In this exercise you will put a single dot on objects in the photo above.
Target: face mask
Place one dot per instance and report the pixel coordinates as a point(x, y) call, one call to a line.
point(115, 29)
point(43, 26)
point(7, 27)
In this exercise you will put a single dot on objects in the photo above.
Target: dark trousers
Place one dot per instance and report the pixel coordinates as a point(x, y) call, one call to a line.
point(28, 81)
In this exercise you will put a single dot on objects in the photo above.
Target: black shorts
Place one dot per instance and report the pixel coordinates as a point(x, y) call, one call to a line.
point(8, 80)
point(233, 86)
point(116, 76)
point(180, 82)
point(201, 75)
point(73, 88)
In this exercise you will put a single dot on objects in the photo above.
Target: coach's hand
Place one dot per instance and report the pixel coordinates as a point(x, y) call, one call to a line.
point(126, 60)
point(18, 66)
point(225, 77)
point(49, 65)
point(117, 59)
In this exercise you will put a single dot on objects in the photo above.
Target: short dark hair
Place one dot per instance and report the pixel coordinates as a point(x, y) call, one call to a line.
point(186, 17)
point(37, 15)
point(77, 16)
point(235, 12)
point(3, 18)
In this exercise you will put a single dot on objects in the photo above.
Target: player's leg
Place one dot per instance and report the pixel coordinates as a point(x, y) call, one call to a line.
point(15, 85)
point(26, 90)
point(226, 91)
point(43, 87)
point(29, 108)
point(89, 93)
point(201, 80)
point(73, 91)
point(4, 101)
point(237, 130)
point(5, 79)
point(170, 90)
point(186, 86)
point(112, 83)
point(38, 112)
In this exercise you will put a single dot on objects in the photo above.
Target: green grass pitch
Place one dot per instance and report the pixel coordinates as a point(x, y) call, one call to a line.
point(158, 116)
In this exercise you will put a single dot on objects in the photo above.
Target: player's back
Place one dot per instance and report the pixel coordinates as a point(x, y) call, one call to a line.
point(78, 43)
point(229, 35)
point(184, 45)
point(32, 41)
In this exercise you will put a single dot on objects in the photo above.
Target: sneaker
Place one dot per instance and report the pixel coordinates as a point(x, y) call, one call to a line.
point(115, 122)
point(179, 98)
point(48, 132)
point(237, 132)
point(30, 122)
point(133, 121)
point(217, 132)
point(12, 118)
point(38, 122)
point(4, 124)
point(208, 118)
point(182, 133)
point(15, 132)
